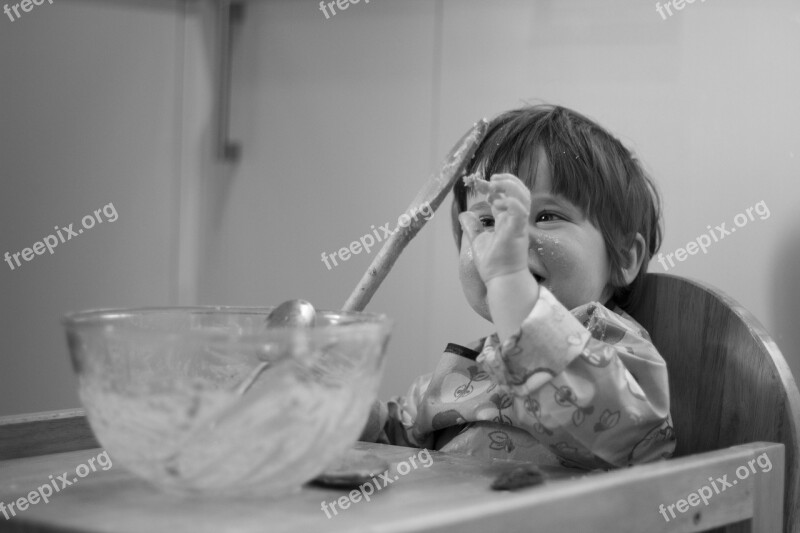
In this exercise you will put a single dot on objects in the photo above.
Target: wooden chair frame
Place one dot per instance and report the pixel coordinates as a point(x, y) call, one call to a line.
point(729, 382)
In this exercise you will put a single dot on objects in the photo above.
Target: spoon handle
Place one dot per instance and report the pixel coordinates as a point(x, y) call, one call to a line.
point(245, 385)
point(432, 193)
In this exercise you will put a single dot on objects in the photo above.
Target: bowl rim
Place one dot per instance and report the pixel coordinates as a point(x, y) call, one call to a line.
point(114, 316)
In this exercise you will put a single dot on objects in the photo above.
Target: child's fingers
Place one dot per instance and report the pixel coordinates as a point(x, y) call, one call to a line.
point(500, 184)
point(477, 183)
point(512, 209)
point(495, 195)
point(509, 185)
point(504, 176)
point(501, 202)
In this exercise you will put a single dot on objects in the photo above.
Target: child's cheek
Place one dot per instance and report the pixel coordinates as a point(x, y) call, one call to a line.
point(558, 270)
point(471, 282)
point(551, 253)
point(470, 278)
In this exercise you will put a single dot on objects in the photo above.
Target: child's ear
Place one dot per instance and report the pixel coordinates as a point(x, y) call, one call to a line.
point(632, 262)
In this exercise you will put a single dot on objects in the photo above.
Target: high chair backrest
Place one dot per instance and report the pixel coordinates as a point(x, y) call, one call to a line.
point(729, 382)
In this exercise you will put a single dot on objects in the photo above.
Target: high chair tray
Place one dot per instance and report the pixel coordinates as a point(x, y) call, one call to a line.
point(452, 494)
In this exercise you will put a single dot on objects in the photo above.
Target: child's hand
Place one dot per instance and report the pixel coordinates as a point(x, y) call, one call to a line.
point(504, 250)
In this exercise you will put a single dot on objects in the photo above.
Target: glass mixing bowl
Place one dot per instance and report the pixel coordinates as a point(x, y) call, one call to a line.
point(162, 389)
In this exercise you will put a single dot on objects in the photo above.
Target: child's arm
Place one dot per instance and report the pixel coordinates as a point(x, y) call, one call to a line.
point(595, 394)
point(511, 297)
point(393, 422)
point(501, 256)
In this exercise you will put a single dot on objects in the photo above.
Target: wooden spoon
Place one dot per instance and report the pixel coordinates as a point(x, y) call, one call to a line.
point(432, 194)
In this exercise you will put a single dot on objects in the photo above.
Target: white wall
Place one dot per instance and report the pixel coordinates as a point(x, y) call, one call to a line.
point(88, 116)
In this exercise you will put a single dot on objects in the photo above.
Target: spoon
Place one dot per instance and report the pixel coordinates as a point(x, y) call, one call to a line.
point(431, 194)
point(289, 314)
point(292, 313)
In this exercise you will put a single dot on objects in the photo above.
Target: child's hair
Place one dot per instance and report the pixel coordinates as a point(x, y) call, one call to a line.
point(589, 167)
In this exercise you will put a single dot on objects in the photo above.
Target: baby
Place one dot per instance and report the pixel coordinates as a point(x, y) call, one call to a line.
point(552, 247)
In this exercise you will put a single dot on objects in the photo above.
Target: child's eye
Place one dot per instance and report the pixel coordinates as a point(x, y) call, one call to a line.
point(487, 221)
point(548, 217)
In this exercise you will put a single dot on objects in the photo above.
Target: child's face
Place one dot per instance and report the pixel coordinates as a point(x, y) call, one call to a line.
point(567, 253)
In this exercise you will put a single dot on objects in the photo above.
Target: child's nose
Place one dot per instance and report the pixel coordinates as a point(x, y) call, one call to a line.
point(536, 246)
point(535, 238)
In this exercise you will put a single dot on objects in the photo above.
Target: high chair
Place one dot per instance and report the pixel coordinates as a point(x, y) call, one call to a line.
point(729, 382)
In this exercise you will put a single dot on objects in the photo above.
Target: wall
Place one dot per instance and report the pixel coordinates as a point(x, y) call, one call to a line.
point(88, 117)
